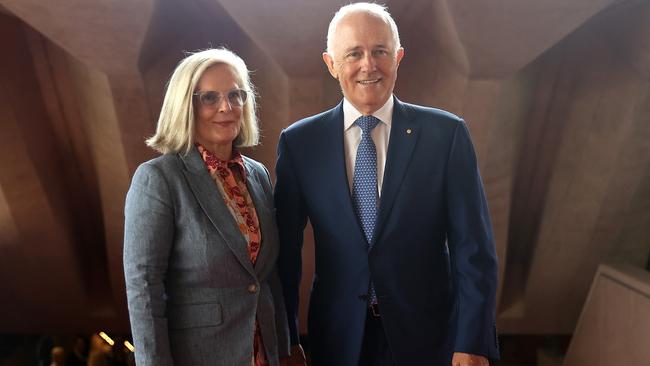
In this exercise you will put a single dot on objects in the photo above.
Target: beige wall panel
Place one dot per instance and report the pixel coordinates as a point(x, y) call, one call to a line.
point(631, 38)
point(597, 114)
point(41, 257)
point(89, 107)
point(78, 172)
point(427, 80)
point(106, 34)
point(8, 230)
point(40, 263)
point(291, 32)
point(615, 324)
point(634, 237)
point(500, 37)
point(102, 127)
point(9, 248)
point(498, 162)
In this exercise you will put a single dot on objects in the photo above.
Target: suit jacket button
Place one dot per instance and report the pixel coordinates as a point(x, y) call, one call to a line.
point(252, 288)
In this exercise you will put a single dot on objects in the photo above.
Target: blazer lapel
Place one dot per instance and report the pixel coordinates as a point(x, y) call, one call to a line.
point(209, 198)
point(403, 138)
point(257, 195)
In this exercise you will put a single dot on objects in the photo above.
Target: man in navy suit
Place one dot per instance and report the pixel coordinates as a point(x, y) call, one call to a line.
point(406, 270)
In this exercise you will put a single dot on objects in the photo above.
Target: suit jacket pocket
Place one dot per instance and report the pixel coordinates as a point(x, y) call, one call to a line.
point(185, 316)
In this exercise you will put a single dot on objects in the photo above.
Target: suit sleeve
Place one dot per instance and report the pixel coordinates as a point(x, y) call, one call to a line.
point(292, 218)
point(472, 251)
point(281, 323)
point(148, 235)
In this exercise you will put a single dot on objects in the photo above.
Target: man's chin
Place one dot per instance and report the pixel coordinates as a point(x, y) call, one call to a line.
point(367, 106)
point(374, 99)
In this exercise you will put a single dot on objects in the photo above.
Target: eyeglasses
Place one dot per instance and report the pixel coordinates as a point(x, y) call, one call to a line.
point(211, 98)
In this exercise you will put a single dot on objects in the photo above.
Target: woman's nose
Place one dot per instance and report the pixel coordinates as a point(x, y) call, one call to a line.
point(224, 105)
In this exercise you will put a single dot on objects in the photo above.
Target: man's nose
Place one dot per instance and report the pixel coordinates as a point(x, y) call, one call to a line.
point(368, 62)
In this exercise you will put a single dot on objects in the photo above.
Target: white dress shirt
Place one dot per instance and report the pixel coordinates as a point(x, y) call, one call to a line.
point(380, 136)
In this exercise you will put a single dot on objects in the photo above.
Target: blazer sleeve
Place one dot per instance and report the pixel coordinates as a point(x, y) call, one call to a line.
point(292, 218)
point(281, 323)
point(148, 235)
point(472, 251)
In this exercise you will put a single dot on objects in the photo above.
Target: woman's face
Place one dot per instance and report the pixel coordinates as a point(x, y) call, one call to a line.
point(218, 124)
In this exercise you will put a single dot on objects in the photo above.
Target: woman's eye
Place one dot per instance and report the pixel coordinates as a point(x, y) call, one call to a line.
point(210, 97)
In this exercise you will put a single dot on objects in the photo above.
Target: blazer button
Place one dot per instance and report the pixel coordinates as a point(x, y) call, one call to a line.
point(252, 288)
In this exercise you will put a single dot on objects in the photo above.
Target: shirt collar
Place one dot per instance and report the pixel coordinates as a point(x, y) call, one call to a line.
point(212, 162)
point(350, 113)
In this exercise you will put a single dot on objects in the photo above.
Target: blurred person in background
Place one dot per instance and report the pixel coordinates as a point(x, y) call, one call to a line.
point(79, 354)
point(57, 356)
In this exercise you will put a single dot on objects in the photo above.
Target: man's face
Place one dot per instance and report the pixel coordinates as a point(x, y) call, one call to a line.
point(364, 61)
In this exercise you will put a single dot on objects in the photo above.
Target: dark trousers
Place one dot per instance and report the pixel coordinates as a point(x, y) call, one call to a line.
point(375, 350)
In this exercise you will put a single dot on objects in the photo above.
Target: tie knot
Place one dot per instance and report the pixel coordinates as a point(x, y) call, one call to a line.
point(367, 123)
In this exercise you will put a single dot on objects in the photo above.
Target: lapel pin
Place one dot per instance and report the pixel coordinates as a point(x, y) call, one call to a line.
point(408, 130)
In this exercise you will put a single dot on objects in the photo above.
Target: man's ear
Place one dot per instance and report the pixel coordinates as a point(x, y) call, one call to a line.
point(400, 55)
point(329, 61)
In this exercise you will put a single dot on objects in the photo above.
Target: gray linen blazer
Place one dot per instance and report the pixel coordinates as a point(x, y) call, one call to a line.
point(193, 293)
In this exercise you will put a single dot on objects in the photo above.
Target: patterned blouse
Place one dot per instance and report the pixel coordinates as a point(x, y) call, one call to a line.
point(230, 177)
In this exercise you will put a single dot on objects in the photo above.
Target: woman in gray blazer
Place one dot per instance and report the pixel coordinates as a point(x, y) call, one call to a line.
point(200, 239)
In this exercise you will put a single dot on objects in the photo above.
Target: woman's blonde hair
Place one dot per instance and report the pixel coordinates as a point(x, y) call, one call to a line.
point(175, 129)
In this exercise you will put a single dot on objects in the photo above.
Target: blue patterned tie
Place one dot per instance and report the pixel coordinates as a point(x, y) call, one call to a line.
point(364, 184)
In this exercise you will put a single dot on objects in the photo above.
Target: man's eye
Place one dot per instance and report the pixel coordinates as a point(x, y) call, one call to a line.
point(352, 55)
point(380, 52)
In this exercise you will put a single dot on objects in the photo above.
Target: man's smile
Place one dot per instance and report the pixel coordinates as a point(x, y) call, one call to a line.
point(369, 81)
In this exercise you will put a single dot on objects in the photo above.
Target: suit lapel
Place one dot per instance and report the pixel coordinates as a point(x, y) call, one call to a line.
point(403, 138)
point(337, 176)
point(209, 198)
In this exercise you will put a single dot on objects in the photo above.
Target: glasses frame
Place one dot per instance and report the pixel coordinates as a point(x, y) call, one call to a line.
point(243, 94)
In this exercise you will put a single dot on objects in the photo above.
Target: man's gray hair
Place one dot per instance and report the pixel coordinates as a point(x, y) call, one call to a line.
point(373, 9)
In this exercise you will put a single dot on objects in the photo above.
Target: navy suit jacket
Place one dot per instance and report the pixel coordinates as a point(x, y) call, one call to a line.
point(433, 262)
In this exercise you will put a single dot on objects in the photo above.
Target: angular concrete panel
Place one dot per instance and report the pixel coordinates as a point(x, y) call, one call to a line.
point(615, 323)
